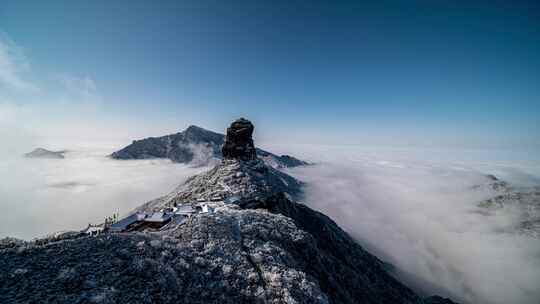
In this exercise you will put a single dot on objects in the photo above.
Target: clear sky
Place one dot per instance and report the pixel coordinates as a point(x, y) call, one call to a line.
point(399, 73)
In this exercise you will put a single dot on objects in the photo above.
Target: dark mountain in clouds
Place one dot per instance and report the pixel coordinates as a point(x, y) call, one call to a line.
point(44, 153)
point(233, 234)
point(194, 144)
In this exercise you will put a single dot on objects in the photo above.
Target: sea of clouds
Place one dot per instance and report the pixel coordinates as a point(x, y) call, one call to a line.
point(416, 209)
point(41, 196)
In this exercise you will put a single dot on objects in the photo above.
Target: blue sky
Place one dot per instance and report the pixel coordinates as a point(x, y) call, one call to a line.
point(398, 73)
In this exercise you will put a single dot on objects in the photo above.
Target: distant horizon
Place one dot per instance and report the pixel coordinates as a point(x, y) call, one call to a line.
point(389, 73)
point(63, 142)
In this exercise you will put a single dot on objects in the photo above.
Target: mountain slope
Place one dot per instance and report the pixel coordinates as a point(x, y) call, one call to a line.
point(231, 178)
point(230, 255)
point(194, 144)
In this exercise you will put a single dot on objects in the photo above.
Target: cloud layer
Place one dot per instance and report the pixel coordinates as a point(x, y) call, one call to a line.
point(414, 209)
point(40, 196)
point(421, 216)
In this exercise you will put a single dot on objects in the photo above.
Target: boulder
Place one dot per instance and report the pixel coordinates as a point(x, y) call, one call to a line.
point(239, 142)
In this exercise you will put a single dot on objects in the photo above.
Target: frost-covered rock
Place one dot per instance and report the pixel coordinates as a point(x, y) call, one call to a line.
point(521, 203)
point(286, 253)
point(230, 178)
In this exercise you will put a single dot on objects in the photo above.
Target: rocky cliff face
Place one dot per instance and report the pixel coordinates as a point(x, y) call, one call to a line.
point(239, 142)
point(260, 247)
point(197, 145)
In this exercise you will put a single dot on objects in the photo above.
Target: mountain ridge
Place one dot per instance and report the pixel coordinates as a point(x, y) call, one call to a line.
point(194, 143)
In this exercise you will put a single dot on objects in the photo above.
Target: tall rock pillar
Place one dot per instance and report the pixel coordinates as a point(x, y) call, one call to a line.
point(238, 141)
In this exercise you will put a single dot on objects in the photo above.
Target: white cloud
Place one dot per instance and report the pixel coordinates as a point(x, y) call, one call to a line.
point(80, 89)
point(41, 196)
point(23, 85)
point(60, 110)
point(43, 108)
point(13, 66)
point(416, 210)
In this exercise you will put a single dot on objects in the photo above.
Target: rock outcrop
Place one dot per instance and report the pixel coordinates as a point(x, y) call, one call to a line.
point(197, 146)
point(239, 141)
point(257, 245)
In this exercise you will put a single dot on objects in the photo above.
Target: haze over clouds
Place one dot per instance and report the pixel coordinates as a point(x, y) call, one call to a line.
point(420, 215)
point(416, 212)
point(42, 196)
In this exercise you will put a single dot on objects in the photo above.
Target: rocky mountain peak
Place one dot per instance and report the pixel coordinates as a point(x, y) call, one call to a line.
point(193, 129)
point(241, 174)
point(199, 146)
point(239, 142)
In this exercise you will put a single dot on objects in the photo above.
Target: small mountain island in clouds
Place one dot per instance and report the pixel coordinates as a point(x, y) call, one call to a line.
point(234, 234)
point(194, 145)
point(44, 153)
